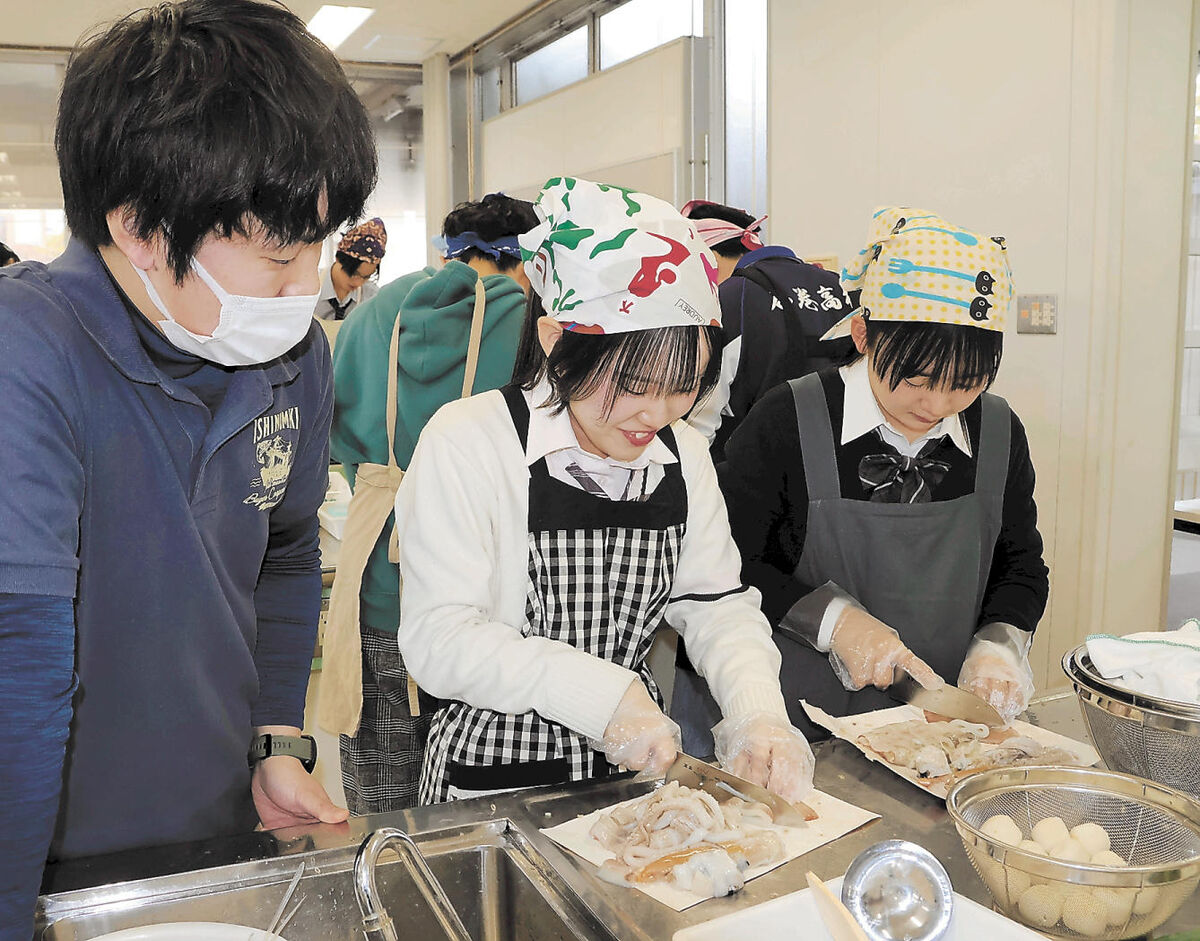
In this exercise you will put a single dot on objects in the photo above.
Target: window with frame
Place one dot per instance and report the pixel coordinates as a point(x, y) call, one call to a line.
point(553, 66)
point(641, 25)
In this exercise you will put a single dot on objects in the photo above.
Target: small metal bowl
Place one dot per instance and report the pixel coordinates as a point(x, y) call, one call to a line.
point(898, 891)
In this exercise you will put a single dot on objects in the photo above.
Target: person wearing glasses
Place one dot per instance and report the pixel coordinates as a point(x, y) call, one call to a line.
point(350, 279)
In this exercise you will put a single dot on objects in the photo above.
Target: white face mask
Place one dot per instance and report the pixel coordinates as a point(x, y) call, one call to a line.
point(251, 330)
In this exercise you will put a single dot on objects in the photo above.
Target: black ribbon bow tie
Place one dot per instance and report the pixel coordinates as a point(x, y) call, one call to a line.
point(894, 478)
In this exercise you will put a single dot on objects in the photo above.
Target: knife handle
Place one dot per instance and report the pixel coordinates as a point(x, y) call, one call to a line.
point(834, 914)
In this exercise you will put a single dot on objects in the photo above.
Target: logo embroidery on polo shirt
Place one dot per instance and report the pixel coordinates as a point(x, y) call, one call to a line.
point(273, 450)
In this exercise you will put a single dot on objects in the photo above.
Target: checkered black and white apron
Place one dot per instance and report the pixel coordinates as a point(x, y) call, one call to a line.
point(600, 577)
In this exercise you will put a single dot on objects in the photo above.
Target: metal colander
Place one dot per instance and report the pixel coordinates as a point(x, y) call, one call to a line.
point(1156, 829)
point(1153, 738)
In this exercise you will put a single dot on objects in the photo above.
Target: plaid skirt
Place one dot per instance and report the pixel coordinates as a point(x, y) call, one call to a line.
point(381, 763)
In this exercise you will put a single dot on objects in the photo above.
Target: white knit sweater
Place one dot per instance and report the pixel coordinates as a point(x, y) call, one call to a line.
point(462, 516)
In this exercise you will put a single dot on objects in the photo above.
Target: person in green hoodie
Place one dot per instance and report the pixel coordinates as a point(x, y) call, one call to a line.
point(426, 317)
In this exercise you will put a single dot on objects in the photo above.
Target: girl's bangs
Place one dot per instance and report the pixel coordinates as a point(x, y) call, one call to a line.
point(949, 356)
point(663, 361)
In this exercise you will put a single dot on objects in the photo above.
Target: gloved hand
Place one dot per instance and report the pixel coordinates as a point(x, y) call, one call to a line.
point(998, 674)
point(863, 650)
point(767, 750)
point(638, 735)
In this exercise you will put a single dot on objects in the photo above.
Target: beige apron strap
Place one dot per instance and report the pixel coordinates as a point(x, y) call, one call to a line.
point(390, 411)
point(340, 701)
point(339, 706)
point(473, 344)
point(476, 338)
point(392, 382)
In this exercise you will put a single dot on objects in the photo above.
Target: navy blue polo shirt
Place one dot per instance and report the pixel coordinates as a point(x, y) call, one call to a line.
point(186, 536)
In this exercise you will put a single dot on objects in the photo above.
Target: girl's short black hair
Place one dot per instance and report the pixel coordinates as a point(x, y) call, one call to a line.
point(350, 264)
point(731, 247)
point(211, 116)
point(665, 359)
point(493, 217)
point(950, 355)
point(7, 256)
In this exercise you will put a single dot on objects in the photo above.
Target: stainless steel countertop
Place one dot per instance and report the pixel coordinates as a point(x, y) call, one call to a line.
point(905, 811)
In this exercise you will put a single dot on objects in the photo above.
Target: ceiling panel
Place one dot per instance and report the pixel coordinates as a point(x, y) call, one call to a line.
point(398, 31)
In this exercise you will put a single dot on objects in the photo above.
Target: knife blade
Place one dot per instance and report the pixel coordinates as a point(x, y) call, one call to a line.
point(692, 772)
point(949, 701)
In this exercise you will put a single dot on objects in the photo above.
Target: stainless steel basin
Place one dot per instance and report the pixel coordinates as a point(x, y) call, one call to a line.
point(501, 886)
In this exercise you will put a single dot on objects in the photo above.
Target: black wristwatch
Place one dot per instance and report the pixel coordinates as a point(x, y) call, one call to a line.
point(303, 747)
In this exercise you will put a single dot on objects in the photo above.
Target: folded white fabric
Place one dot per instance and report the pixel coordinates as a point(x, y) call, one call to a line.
point(1165, 664)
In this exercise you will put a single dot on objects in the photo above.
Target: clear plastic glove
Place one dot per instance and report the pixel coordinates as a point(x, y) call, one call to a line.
point(767, 750)
point(865, 651)
point(639, 736)
point(1000, 674)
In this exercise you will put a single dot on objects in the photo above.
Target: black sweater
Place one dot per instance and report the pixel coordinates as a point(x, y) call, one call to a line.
point(763, 481)
point(780, 306)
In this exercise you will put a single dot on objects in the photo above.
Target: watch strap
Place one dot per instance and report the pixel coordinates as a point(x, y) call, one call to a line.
point(268, 745)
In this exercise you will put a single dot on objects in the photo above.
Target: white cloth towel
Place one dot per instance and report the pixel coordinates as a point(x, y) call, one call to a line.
point(1165, 664)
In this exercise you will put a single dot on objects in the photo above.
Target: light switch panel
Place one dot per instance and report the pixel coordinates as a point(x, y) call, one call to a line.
point(1037, 313)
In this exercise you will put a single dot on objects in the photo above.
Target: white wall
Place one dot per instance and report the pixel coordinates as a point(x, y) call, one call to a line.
point(435, 79)
point(627, 125)
point(1064, 127)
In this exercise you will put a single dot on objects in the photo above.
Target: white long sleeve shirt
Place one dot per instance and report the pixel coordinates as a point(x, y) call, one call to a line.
point(462, 517)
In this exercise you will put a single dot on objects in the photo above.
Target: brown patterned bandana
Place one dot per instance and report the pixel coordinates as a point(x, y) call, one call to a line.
point(366, 242)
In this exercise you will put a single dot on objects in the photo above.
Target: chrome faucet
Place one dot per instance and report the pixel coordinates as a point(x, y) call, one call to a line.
point(377, 924)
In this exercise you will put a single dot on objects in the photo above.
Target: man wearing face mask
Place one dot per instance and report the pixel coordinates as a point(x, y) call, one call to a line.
point(165, 400)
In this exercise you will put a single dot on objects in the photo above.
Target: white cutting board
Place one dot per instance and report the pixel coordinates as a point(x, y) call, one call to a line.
point(779, 919)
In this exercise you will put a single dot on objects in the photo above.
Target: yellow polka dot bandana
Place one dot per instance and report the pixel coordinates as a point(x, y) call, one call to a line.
point(919, 267)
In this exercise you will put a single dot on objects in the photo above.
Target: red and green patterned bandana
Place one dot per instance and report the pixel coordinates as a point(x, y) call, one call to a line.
point(610, 260)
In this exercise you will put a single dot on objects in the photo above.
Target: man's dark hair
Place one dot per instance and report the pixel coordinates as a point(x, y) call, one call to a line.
point(951, 355)
point(493, 217)
point(731, 247)
point(7, 256)
point(664, 360)
point(350, 264)
point(211, 116)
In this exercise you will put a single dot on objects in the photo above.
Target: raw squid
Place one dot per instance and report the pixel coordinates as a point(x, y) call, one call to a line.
point(954, 748)
point(685, 836)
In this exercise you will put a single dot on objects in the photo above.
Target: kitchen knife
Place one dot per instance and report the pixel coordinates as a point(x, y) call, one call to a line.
point(692, 772)
point(949, 701)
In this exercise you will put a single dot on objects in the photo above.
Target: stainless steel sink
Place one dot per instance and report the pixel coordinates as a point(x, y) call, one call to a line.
point(501, 886)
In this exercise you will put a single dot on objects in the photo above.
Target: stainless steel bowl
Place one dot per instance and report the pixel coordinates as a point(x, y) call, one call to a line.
point(898, 891)
point(1137, 734)
point(1155, 828)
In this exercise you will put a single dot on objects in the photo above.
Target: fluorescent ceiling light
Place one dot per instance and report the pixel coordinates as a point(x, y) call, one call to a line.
point(334, 24)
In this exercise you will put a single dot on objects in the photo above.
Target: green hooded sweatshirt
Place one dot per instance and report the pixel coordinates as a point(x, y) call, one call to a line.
point(435, 310)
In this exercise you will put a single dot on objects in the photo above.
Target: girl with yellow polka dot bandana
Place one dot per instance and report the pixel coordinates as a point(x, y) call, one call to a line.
point(885, 508)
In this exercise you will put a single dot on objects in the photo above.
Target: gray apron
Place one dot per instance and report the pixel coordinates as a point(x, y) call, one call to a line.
point(921, 568)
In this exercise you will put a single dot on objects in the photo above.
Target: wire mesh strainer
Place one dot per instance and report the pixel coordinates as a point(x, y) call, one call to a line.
point(1153, 738)
point(1156, 829)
